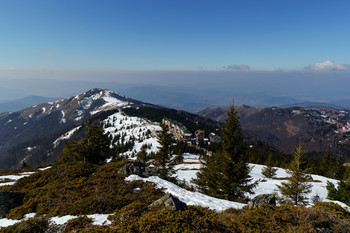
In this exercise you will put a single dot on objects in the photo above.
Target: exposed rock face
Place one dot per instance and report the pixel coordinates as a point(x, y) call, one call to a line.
point(262, 199)
point(8, 201)
point(171, 202)
point(140, 169)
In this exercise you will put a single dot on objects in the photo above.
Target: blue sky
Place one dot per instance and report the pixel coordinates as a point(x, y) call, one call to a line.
point(199, 52)
point(173, 34)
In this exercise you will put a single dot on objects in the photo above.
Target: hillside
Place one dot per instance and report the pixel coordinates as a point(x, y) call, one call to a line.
point(283, 128)
point(36, 135)
point(88, 198)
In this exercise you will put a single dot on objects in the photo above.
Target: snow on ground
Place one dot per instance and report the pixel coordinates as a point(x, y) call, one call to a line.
point(190, 198)
point(318, 186)
point(112, 101)
point(13, 178)
point(97, 219)
point(5, 222)
point(126, 127)
point(188, 170)
point(65, 136)
point(63, 119)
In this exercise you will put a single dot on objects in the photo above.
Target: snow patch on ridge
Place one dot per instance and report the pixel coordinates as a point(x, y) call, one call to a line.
point(65, 136)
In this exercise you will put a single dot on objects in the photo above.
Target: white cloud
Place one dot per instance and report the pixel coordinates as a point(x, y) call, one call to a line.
point(237, 67)
point(328, 66)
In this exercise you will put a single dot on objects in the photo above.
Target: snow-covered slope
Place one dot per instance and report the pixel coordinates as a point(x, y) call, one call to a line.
point(188, 170)
point(125, 128)
point(52, 123)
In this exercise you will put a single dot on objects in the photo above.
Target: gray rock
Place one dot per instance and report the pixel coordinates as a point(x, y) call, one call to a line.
point(8, 201)
point(170, 201)
point(262, 199)
point(140, 169)
point(56, 228)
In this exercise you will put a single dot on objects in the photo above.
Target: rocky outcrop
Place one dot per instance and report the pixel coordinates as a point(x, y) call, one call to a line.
point(262, 199)
point(8, 201)
point(140, 169)
point(170, 201)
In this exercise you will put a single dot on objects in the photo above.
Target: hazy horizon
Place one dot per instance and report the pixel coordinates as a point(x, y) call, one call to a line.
point(188, 52)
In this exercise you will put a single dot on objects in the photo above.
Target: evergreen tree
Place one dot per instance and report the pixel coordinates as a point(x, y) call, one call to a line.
point(341, 193)
point(269, 171)
point(296, 187)
point(339, 168)
point(326, 167)
point(94, 148)
point(163, 157)
point(143, 156)
point(225, 174)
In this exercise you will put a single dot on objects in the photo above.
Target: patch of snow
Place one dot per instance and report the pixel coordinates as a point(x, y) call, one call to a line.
point(65, 136)
point(44, 168)
point(63, 120)
point(97, 219)
point(5, 222)
point(188, 197)
point(30, 148)
point(14, 178)
point(79, 112)
point(63, 219)
point(43, 109)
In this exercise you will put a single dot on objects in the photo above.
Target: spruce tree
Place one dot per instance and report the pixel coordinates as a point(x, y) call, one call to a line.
point(225, 174)
point(143, 156)
point(269, 171)
point(94, 148)
point(296, 188)
point(163, 157)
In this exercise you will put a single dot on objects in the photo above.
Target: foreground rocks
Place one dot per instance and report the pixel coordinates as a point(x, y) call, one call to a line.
point(8, 201)
point(140, 169)
point(262, 199)
point(170, 202)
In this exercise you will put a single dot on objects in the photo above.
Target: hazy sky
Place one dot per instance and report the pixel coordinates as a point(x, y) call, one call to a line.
point(174, 34)
point(228, 48)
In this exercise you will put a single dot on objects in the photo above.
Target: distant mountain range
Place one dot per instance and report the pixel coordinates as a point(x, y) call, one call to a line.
point(15, 105)
point(284, 128)
point(36, 134)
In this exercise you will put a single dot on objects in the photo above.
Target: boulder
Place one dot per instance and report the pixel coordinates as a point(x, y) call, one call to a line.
point(170, 202)
point(262, 199)
point(8, 201)
point(140, 169)
point(56, 228)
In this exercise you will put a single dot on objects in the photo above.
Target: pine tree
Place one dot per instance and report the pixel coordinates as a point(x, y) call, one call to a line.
point(143, 156)
point(163, 157)
point(226, 174)
point(269, 171)
point(296, 188)
point(94, 148)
